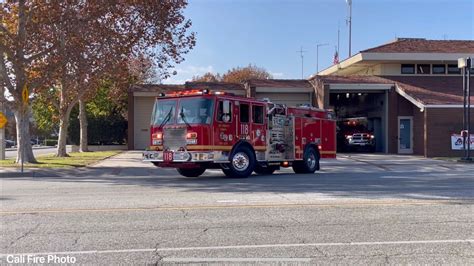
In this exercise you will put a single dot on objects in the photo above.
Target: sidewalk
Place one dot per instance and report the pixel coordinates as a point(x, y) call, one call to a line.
point(129, 162)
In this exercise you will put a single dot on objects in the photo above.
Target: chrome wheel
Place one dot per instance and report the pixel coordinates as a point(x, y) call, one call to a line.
point(311, 161)
point(240, 161)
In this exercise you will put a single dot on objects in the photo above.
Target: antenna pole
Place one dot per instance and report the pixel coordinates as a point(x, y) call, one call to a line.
point(302, 60)
point(338, 33)
point(349, 21)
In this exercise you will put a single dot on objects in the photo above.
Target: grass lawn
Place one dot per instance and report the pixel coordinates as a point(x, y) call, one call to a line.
point(76, 159)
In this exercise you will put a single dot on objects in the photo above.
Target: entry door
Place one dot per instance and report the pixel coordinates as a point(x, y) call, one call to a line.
point(405, 134)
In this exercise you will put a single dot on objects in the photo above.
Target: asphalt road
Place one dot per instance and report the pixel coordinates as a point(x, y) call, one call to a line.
point(368, 209)
point(11, 153)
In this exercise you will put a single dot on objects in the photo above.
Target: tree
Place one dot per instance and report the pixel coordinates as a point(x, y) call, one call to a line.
point(207, 77)
point(137, 70)
point(80, 42)
point(241, 74)
point(26, 43)
point(235, 75)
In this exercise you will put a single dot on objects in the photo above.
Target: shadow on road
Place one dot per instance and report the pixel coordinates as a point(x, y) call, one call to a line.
point(335, 180)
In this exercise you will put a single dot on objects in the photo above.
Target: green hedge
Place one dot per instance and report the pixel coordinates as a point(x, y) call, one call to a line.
point(102, 130)
point(50, 142)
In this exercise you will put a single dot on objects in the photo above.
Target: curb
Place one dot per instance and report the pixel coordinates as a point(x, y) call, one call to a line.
point(17, 174)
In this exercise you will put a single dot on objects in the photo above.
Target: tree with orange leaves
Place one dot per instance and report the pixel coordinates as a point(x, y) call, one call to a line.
point(77, 44)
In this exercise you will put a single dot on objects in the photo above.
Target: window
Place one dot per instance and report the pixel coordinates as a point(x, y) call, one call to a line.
point(439, 69)
point(408, 69)
point(220, 112)
point(423, 69)
point(453, 69)
point(258, 114)
point(163, 112)
point(195, 111)
point(244, 113)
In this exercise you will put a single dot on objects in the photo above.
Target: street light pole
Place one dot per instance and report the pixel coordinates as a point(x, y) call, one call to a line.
point(317, 54)
point(2, 130)
point(465, 64)
point(468, 96)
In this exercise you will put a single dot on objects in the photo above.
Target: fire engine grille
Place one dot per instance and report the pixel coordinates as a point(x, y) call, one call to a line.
point(174, 138)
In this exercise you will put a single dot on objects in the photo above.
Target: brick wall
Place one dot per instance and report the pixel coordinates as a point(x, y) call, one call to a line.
point(418, 131)
point(441, 123)
point(399, 106)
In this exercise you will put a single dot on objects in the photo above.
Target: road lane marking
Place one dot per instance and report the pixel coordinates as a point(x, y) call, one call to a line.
point(335, 244)
point(247, 206)
point(236, 259)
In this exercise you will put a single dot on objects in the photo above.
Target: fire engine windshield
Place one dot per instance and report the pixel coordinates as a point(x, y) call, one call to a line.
point(164, 112)
point(195, 111)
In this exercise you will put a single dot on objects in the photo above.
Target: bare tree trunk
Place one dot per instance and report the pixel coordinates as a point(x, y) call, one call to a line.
point(23, 136)
point(83, 125)
point(63, 127)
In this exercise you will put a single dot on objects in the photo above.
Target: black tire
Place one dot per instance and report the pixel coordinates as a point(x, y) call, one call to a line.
point(309, 164)
point(191, 172)
point(226, 172)
point(259, 170)
point(242, 163)
point(298, 167)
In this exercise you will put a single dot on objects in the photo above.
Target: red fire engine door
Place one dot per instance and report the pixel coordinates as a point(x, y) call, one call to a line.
point(258, 130)
point(244, 126)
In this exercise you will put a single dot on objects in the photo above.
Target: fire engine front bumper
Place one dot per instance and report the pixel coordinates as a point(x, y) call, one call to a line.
point(185, 156)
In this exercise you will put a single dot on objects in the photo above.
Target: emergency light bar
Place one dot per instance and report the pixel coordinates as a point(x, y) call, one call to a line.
point(192, 92)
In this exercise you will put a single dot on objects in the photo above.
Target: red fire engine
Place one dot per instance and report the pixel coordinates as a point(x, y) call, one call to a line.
point(199, 129)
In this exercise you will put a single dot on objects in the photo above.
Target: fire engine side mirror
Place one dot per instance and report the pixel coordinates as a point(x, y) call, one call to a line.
point(226, 107)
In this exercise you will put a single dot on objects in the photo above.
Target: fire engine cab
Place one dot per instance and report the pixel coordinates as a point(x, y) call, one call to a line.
point(201, 129)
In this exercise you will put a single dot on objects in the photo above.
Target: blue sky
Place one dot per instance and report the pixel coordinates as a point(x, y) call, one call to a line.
point(268, 33)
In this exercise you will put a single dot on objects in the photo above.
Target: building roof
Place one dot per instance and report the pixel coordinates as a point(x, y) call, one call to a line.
point(353, 79)
point(279, 83)
point(417, 45)
point(154, 87)
point(425, 90)
point(435, 90)
point(214, 86)
point(187, 85)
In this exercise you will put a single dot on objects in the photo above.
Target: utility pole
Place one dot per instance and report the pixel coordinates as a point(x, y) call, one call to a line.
point(317, 55)
point(349, 22)
point(302, 60)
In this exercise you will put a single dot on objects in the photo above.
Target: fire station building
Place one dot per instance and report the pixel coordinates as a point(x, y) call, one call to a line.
point(409, 89)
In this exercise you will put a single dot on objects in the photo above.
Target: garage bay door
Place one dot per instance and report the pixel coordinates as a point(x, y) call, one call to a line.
point(290, 99)
point(143, 106)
